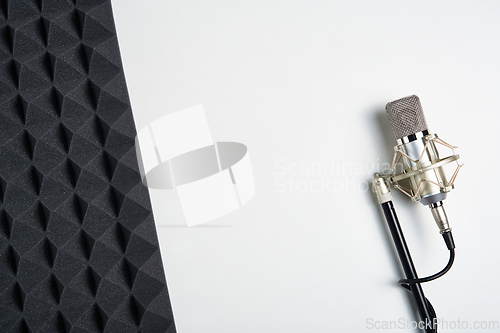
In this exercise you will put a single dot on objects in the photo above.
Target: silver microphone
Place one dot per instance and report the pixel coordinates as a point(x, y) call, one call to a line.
point(422, 165)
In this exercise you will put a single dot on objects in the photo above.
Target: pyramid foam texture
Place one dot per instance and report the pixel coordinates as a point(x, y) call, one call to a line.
point(78, 245)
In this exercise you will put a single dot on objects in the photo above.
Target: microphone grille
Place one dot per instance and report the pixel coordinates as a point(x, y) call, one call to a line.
point(406, 116)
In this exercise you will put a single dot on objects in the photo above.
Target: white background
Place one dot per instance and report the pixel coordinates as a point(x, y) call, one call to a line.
point(302, 84)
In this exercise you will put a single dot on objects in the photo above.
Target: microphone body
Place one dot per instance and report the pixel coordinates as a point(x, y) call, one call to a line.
point(422, 165)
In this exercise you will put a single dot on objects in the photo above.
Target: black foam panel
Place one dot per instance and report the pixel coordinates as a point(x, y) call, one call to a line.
point(78, 245)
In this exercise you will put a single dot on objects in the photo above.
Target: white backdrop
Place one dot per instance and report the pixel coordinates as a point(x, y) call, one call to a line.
point(303, 84)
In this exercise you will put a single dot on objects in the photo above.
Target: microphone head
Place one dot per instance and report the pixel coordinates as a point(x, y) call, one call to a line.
point(406, 116)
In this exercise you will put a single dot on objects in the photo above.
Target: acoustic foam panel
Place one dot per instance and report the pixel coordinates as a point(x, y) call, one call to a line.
point(78, 246)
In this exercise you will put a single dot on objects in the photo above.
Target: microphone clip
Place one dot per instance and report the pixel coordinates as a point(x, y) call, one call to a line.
point(423, 169)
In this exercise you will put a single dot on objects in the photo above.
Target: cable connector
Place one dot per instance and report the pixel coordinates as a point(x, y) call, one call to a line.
point(382, 189)
point(439, 214)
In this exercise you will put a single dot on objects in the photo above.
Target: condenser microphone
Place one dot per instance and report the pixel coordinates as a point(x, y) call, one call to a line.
point(410, 127)
point(422, 165)
point(423, 179)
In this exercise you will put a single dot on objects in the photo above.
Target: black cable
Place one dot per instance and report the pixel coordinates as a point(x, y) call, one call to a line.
point(405, 283)
point(432, 312)
point(434, 276)
point(412, 283)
